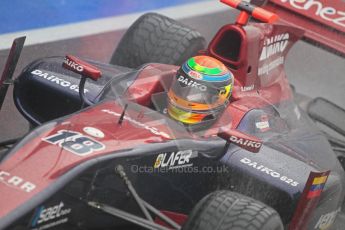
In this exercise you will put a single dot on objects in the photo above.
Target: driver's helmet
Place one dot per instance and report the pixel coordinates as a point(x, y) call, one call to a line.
point(200, 91)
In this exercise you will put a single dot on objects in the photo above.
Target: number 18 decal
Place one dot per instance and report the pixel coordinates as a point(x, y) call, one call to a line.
point(75, 142)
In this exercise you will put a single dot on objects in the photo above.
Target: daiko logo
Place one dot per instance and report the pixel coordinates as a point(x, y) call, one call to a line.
point(320, 9)
point(73, 65)
point(191, 83)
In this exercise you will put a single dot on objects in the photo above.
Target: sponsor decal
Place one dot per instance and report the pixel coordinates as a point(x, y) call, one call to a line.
point(74, 142)
point(16, 182)
point(247, 88)
point(308, 200)
point(317, 186)
point(175, 160)
point(264, 124)
point(93, 132)
point(265, 69)
point(56, 80)
point(274, 45)
point(69, 62)
point(195, 75)
point(327, 220)
point(325, 12)
point(78, 66)
point(191, 83)
point(57, 213)
point(149, 128)
point(268, 171)
point(250, 145)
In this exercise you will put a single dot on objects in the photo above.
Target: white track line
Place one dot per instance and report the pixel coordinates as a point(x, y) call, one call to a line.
point(73, 30)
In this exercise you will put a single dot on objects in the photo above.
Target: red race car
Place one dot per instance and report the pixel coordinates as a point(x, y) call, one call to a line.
point(172, 136)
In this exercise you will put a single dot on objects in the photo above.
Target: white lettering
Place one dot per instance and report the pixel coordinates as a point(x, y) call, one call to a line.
point(245, 160)
point(57, 80)
point(52, 213)
point(16, 182)
point(312, 3)
point(327, 11)
point(74, 65)
point(321, 11)
point(192, 83)
point(2, 174)
point(274, 45)
point(327, 220)
point(268, 171)
point(272, 65)
point(247, 88)
point(340, 21)
point(245, 142)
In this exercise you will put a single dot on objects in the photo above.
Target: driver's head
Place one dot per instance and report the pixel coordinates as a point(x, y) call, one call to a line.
point(200, 91)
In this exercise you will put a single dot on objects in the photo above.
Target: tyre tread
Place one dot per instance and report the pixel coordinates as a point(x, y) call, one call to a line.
point(156, 38)
point(223, 210)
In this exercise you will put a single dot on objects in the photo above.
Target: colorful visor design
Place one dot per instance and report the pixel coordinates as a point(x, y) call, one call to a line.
point(186, 117)
point(191, 94)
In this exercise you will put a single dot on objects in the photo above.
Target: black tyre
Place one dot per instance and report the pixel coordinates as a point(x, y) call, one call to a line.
point(224, 210)
point(156, 38)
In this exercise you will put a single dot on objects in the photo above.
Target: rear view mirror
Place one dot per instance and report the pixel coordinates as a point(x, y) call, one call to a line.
point(81, 67)
point(86, 70)
point(243, 140)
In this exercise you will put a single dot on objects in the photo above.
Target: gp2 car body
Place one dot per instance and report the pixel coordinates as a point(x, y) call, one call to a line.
point(263, 146)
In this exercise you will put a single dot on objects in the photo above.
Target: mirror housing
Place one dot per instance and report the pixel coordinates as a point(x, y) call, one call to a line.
point(243, 140)
point(81, 67)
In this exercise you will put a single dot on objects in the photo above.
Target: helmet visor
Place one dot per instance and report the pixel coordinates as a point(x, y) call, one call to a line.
point(184, 116)
point(195, 92)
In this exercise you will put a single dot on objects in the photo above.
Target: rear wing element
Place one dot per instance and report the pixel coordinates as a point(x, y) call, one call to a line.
point(11, 63)
point(323, 20)
point(309, 199)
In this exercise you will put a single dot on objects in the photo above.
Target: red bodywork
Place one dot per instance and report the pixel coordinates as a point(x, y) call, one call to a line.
point(255, 78)
point(323, 20)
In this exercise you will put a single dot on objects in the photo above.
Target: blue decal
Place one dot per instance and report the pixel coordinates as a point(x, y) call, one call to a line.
point(36, 216)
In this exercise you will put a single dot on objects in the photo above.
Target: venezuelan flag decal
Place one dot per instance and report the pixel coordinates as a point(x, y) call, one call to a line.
point(317, 186)
point(309, 200)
